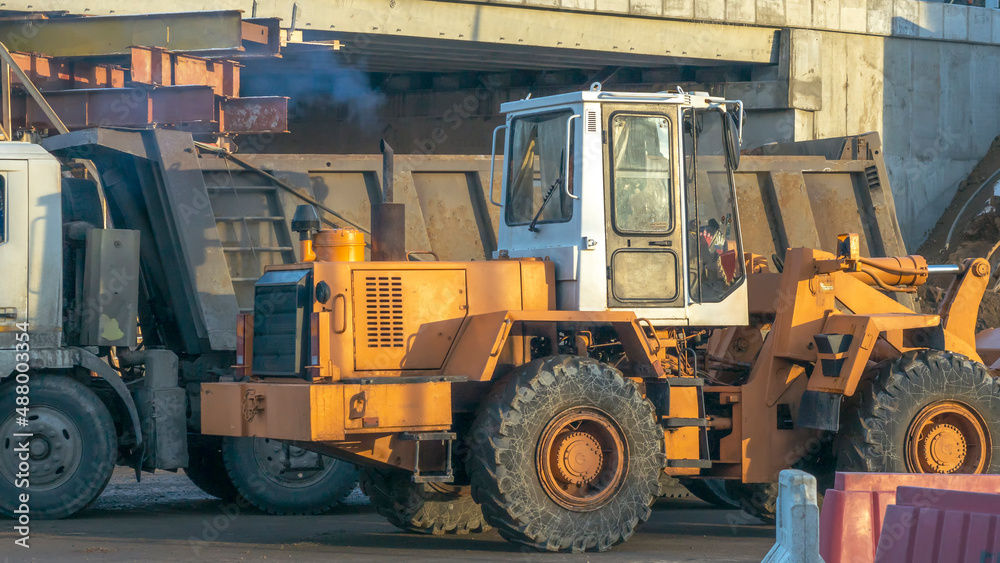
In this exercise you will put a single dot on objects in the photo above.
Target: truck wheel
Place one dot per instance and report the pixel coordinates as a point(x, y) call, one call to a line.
point(759, 500)
point(712, 491)
point(313, 484)
point(207, 470)
point(927, 412)
point(427, 508)
point(565, 455)
point(71, 455)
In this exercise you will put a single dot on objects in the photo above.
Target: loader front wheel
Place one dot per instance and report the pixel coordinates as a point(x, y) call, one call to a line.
point(565, 455)
point(425, 508)
point(927, 412)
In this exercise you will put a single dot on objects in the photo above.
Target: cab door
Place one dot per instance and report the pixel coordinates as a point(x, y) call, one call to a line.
point(642, 214)
point(13, 249)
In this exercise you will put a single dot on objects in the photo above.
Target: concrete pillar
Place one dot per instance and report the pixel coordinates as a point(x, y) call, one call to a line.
point(805, 60)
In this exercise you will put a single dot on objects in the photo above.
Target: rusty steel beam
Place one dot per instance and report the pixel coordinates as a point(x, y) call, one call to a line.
point(158, 67)
point(262, 36)
point(59, 74)
point(254, 32)
point(259, 114)
point(124, 107)
point(40, 102)
point(114, 35)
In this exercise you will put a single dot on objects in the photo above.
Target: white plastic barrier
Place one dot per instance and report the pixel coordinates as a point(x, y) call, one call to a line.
point(798, 520)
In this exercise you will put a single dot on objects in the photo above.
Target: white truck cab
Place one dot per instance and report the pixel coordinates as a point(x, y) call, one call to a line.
point(632, 197)
point(30, 248)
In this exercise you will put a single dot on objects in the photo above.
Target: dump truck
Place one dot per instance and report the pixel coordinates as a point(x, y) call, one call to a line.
point(117, 306)
point(621, 333)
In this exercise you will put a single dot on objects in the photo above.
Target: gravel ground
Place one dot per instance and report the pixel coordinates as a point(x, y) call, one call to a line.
point(166, 518)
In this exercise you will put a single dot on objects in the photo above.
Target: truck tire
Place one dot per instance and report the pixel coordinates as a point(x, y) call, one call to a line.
point(759, 500)
point(565, 455)
point(712, 491)
point(73, 451)
point(422, 507)
point(257, 471)
point(207, 470)
point(927, 412)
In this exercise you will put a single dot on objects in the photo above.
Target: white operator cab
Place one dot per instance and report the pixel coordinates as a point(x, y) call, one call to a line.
point(647, 219)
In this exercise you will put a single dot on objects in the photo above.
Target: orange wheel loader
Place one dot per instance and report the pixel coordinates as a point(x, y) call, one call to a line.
point(621, 335)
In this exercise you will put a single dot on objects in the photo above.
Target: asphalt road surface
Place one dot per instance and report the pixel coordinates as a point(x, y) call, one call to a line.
point(165, 518)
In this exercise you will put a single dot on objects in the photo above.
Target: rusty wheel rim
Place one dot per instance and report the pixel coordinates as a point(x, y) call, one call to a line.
point(948, 437)
point(582, 459)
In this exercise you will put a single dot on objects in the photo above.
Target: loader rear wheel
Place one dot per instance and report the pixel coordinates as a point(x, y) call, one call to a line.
point(565, 455)
point(285, 480)
point(72, 452)
point(927, 412)
point(425, 508)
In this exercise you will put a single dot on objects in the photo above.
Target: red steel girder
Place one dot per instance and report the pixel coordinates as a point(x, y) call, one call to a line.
point(159, 67)
point(257, 114)
point(125, 107)
point(59, 74)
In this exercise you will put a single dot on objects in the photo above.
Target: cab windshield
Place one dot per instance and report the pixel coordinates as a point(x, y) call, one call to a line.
point(535, 165)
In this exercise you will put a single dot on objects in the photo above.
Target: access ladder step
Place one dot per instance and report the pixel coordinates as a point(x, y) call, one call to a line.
point(689, 463)
point(685, 381)
point(420, 476)
point(678, 422)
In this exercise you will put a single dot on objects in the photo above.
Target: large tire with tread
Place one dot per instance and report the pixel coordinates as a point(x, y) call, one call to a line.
point(207, 470)
point(422, 507)
point(534, 456)
point(927, 412)
point(257, 471)
point(73, 451)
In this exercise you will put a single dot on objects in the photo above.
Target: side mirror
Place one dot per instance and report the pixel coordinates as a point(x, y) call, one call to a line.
point(732, 142)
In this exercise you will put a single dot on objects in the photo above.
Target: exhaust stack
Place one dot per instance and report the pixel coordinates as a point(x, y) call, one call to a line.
point(388, 217)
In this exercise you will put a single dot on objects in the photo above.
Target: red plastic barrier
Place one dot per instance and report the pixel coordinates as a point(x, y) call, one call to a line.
point(853, 511)
point(939, 526)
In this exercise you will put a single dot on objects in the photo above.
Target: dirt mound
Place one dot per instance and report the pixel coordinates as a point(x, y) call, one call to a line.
point(976, 235)
point(933, 248)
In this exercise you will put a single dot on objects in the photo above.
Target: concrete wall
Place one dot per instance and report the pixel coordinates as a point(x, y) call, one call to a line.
point(901, 18)
point(941, 111)
point(936, 104)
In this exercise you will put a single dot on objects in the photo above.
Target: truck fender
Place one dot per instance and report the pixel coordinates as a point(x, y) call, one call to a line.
point(107, 373)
